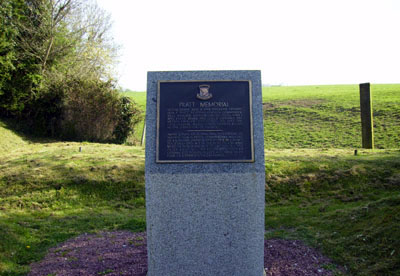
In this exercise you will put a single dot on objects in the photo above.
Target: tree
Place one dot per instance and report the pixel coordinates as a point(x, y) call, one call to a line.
point(56, 70)
point(7, 33)
point(46, 39)
point(10, 12)
point(29, 37)
point(95, 53)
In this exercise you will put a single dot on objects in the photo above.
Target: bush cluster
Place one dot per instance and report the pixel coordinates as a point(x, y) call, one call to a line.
point(85, 110)
point(56, 60)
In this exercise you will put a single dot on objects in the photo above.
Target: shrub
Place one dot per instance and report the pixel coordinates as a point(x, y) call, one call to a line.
point(129, 115)
point(43, 114)
point(90, 110)
point(82, 109)
point(94, 111)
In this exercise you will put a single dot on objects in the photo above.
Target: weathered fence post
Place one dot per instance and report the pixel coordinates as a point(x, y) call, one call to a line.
point(367, 124)
point(143, 134)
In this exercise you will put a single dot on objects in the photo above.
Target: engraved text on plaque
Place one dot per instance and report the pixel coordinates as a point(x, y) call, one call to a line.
point(204, 121)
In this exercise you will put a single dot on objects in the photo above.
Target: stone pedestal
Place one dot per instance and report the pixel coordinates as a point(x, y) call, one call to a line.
point(205, 218)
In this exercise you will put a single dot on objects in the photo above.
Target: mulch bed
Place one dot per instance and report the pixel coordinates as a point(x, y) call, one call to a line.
point(125, 253)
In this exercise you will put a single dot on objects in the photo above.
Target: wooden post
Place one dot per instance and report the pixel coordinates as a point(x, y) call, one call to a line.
point(143, 134)
point(367, 124)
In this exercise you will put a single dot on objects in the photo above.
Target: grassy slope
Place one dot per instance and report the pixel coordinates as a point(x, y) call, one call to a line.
point(346, 205)
point(328, 116)
point(140, 99)
point(321, 116)
point(50, 192)
point(9, 140)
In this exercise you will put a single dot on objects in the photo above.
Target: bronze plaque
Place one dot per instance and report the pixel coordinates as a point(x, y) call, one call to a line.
point(204, 121)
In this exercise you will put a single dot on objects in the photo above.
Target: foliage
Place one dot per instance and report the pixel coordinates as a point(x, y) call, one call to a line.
point(45, 43)
point(129, 116)
point(7, 33)
point(18, 73)
point(140, 99)
point(45, 112)
point(92, 110)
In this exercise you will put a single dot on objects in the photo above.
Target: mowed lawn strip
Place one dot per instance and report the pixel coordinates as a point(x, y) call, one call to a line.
point(328, 116)
point(320, 116)
point(140, 99)
point(50, 192)
point(346, 205)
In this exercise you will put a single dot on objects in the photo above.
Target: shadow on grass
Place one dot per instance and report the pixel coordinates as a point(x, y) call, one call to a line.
point(321, 161)
point(93, 196)
point(22, 130)
point(25, 238)
point(103, 182)
point(347, 205)
point(311, 175)
point(40, 211)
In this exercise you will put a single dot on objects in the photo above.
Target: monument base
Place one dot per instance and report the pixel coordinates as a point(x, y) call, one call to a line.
point(216, 216)
point(205, 173)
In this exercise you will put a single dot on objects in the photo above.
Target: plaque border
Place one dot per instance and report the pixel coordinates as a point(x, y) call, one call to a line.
point(252, 160)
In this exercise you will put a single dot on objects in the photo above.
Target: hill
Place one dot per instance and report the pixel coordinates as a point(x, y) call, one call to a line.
point(328, 116)
point(51, 191)
point(347, 206)
point(9, 140)
point(140, 99)
point(324, 116)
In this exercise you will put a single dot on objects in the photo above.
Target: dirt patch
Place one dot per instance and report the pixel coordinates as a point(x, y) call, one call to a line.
point(295, 103)
point(107, 253)
point(125, 253)
point(283, 257)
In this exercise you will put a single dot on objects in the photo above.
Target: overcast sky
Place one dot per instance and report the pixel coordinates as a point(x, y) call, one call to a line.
point(293, 42)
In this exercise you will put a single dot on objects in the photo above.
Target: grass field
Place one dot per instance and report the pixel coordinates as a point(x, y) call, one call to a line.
point(140, 99)
point(326, 116)
point(347, 206)
point(50, 192)
point(10, 139)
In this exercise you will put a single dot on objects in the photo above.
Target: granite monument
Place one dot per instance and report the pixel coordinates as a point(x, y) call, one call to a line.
point(205, 173)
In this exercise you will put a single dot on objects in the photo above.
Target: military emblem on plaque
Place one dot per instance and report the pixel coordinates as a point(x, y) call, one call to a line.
point(204, 93)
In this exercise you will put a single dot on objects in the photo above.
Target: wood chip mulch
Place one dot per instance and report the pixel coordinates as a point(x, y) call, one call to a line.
point(125, 253)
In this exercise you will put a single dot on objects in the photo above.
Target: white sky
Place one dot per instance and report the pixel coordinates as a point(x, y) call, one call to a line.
point(293, 42)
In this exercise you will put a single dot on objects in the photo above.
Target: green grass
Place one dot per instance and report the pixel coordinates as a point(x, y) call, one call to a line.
point(50, 192)
point(328, 116)
point(348, 206)
point(325, 116)
point(140, 99)
point(10, 139)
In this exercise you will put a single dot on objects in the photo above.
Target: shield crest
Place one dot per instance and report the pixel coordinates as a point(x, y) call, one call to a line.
point(204, 93)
